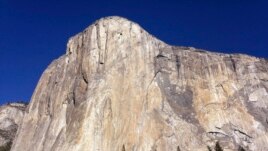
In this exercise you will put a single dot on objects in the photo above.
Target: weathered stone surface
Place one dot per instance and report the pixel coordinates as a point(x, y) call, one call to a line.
point(11, 116)
point(119, 86)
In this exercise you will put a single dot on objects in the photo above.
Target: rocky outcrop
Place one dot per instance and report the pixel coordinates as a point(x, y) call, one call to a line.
point(11, 116)
point(118, 87)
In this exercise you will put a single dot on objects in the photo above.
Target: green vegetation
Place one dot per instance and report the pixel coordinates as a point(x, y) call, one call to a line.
point(6, 147)
point(240, 148)
point(218, 147)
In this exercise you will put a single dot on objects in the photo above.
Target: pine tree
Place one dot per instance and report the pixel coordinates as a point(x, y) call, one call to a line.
point(218, 147)
point(240, 148)
point(6, 147)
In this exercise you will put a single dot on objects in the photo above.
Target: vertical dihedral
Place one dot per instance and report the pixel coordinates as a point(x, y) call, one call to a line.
point(119, 87)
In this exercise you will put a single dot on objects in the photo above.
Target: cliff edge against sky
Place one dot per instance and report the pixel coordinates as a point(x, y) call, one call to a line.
point(119, 87)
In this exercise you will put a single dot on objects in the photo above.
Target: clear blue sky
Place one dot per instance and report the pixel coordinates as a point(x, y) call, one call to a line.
point(34, 32)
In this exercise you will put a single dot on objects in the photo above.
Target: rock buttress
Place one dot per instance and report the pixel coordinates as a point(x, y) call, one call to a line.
point(119, 87)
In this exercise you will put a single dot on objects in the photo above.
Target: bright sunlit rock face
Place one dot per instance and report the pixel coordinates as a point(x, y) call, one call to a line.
point(119, 86)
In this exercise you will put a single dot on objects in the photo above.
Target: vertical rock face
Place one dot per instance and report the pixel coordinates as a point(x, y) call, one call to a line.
point(11, 116)
point(117, 87)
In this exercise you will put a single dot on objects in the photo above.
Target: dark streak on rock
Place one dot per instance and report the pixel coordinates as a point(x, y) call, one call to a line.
point(233, 63)
point(181, 101)
point(178, 64)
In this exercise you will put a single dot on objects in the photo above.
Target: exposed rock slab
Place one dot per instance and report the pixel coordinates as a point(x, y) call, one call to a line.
point(119, 86)
point(11, 116)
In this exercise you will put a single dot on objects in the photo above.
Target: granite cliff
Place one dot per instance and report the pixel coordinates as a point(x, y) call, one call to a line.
point(119, 88)
point(11, 116)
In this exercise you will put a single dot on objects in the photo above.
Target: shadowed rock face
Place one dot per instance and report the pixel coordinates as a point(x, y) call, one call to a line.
point(119, 87)
point(11, 116)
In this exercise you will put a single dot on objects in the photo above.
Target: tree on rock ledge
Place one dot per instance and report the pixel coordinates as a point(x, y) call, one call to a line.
point(240, 148)
point(218, 147)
